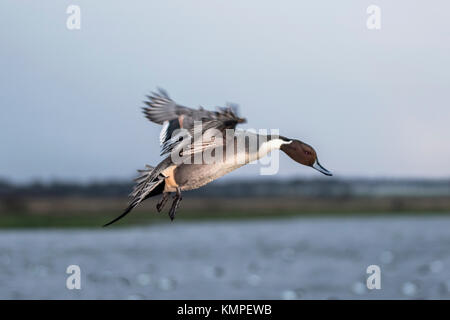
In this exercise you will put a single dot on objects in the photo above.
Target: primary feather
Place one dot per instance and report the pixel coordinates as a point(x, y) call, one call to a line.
point(161, 109)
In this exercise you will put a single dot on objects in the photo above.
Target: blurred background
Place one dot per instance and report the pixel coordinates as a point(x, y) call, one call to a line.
point(373, 103)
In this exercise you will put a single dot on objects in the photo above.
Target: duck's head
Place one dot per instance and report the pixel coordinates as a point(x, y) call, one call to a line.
point(304, 154)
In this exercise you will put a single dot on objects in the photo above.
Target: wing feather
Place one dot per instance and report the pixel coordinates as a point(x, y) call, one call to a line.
point(161, 109)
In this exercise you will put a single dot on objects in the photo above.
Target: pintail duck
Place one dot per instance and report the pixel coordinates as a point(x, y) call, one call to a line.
point(178, 138)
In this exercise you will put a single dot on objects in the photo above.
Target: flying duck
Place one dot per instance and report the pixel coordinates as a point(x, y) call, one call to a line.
point(189, 134)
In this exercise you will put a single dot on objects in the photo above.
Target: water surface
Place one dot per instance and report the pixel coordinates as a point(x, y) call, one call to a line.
point(266, 259)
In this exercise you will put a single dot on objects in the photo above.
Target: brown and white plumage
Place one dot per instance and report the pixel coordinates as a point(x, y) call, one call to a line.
point(168, 176)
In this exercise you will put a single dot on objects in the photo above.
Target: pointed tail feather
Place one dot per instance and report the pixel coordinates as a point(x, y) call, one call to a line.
point(129, 208)
point(148, 184)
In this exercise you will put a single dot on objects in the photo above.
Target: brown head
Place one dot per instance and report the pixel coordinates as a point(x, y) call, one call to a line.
point(304, 154)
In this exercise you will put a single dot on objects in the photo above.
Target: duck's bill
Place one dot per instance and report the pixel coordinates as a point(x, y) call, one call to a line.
point(319, 168)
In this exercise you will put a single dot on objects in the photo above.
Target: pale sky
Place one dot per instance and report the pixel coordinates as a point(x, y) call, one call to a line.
point(374, 103)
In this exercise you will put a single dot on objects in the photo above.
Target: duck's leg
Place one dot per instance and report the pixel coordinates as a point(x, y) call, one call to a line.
point(176, 202)
point(163, 201)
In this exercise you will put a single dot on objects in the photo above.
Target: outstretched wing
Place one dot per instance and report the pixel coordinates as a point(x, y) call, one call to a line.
point(163, 110)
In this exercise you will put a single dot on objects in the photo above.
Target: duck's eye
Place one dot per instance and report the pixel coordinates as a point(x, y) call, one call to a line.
point(308, 153)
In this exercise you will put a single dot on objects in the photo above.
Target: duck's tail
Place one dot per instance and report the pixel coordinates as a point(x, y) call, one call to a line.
point(149, 183)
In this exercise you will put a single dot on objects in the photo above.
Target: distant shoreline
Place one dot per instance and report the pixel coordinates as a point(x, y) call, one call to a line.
point(66, 204)
point(93, 212)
